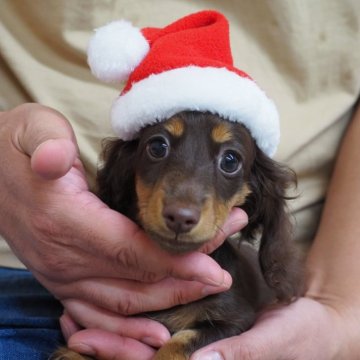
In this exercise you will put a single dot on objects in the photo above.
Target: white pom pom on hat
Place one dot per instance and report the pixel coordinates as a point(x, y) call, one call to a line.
point(115, 50)
point(184, 66)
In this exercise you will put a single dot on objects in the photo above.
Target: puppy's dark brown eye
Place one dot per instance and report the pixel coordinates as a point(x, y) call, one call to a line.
point(230, 162)
point(157, 148)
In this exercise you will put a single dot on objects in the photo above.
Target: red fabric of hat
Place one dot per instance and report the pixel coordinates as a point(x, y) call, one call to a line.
point(186, 65)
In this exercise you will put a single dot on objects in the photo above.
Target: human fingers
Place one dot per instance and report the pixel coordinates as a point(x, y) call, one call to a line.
point(119, 248)
point(46, 137)
point(140, 328)
point(105, 345)
point(236, 221)
point(128, 297)
point(68, 326)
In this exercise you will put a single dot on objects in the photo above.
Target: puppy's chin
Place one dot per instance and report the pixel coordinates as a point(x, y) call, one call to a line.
point(180, 244)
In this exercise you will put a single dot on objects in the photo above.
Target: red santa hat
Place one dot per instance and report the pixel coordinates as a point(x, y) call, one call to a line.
point(186, 65)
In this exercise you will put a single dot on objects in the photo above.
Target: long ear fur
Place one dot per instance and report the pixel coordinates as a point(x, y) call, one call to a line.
point(266, 208)
point(116, 179)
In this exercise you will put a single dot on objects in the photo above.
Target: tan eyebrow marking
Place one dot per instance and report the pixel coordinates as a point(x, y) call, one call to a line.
point(221, 133)
point(175, 127)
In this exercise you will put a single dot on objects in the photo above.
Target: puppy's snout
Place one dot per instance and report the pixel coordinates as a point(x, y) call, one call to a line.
point(180, 219)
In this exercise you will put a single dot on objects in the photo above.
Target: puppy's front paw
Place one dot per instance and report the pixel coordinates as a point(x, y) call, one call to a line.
point(178, 347)
point(67, 354)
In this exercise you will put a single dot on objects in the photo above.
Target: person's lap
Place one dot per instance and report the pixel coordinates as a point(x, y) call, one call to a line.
point(29, 326)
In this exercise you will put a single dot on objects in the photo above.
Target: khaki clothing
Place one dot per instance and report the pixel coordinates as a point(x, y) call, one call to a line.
point(304, 54)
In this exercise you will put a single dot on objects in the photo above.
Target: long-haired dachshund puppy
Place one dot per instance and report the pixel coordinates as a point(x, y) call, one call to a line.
point(178, 181)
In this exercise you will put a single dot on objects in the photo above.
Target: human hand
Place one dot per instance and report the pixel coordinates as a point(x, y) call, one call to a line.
point(308, 329)
point(87, 255)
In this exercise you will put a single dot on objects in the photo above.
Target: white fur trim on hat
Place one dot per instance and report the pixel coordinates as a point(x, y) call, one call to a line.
point(217, 90)
point(115, 50)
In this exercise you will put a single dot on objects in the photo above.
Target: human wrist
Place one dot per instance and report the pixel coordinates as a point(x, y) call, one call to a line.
point(343, 311)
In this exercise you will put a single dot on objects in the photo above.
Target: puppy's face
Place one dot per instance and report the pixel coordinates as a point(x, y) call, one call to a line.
point(190, 171)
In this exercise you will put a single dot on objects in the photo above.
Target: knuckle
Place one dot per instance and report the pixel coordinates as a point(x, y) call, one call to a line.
point(127, 305)
point(39, 123)
point(28, 107)
point(179, 297)
point(244, 352)
point(37, 111)
point(32, 112)
point(127, 257)
point(149, 277)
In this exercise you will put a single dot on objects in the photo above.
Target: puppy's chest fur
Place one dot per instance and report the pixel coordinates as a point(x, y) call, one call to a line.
point(217, 316)
point(249, 293)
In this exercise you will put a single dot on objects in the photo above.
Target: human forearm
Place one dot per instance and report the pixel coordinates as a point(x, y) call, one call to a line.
point(333, 261)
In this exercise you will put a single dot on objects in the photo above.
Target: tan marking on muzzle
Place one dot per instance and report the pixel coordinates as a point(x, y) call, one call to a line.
point(223, 208)
point(150, 203)
point(213, 215)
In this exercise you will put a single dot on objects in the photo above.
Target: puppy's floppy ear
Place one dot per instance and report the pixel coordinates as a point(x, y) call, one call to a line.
point(116, 178)
point(266, 208)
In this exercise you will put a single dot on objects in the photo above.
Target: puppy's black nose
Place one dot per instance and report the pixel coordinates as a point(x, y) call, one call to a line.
point(180, 219)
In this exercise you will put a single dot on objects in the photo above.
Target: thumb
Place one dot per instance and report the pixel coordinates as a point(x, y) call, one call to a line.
point(234, 349)
point(47, 138)
point(236, 221)
point(248, 346)
point(53, 158)
point(276, 335)
point(270, 338)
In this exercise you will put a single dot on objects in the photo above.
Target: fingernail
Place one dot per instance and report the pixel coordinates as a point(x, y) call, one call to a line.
point(83, 349)
point(212, 355)
point(154, 342)
point(64, 327)
point(225, 285)
point(227, 281)
point(237, 224)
